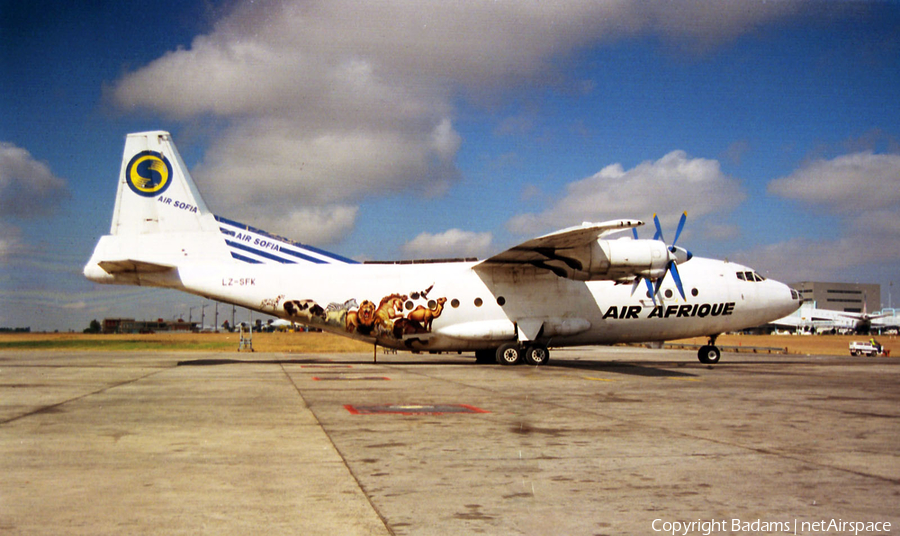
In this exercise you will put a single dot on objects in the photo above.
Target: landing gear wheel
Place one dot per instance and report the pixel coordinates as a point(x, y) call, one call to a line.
point(709, 355)
point(486, 356)
point(509, 354)
point(537, 355)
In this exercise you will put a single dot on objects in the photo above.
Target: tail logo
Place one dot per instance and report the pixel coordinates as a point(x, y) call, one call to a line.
point(148, 173)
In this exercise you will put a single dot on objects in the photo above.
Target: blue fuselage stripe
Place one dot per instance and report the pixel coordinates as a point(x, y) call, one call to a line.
point(240, 257)
point(259, 252)
point(285, 241)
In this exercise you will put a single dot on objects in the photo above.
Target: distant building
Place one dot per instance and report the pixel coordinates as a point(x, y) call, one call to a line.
point(130, 325)
point(845, 297)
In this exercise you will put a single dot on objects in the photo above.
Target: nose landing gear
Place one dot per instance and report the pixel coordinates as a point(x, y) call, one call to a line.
point(709, 354)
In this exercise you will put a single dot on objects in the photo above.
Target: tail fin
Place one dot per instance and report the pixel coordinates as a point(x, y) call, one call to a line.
point(160, 223)
point(156, 193)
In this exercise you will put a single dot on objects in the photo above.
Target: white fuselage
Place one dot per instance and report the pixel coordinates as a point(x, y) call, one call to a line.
point(466, 306)
point(565, 288)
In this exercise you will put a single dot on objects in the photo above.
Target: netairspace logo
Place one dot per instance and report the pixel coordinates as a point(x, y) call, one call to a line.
point(759, 526)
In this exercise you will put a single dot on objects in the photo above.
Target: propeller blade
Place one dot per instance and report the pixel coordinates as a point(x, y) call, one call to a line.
point(634, 231)
point(680, 227)
point(659, 282)
point(673, 267)
point(650, 291)
point(658, 235)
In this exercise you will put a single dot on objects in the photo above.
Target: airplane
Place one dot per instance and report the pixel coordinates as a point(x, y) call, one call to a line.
point(577, 286)
point(810, 318)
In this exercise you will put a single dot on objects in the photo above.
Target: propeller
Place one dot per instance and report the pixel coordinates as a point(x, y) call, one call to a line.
point(676, 255)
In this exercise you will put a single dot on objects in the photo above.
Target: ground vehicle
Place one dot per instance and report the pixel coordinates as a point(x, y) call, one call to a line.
point(867, 348)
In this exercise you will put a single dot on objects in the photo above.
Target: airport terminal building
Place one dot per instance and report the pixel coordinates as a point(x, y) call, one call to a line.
point(845, 297)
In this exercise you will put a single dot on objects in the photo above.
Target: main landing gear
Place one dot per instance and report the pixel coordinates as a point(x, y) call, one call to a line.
point(513, 354)
point(709, 354)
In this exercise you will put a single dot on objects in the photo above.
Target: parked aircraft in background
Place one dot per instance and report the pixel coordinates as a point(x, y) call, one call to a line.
point(577, 286)
point(810, 319)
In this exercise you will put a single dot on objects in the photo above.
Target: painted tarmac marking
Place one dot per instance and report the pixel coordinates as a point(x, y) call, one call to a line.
point(345, 378)
point(412, 409)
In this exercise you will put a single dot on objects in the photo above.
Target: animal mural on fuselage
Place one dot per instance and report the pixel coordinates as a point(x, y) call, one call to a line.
point(385, 321)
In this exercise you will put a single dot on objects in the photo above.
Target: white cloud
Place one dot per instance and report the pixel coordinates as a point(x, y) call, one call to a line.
point(802, 259)
point(450, 243)
point(862, 189)
point(669, 186)
point(27, 187)
point(10, 244)
point(320, 225)
point(328, 102)
point(850, 183)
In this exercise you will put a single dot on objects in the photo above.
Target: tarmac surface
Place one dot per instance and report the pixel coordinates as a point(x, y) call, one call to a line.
point(614, 440)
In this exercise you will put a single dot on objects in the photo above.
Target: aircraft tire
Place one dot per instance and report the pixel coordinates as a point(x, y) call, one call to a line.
point(709, 355)
point(486, 356)
point(537, 355)
point(509, 354)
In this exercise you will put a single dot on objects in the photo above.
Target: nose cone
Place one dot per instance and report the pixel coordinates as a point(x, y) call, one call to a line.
point(781, 299)
point(680, 254)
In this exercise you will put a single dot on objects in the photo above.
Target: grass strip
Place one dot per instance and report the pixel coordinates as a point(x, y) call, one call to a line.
point(117, 345)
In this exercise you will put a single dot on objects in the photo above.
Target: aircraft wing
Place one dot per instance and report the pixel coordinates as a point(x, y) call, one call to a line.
point(133, 266)
point(543, 248)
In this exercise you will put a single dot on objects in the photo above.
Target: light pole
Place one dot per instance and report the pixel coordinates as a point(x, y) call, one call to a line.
point(203, 316)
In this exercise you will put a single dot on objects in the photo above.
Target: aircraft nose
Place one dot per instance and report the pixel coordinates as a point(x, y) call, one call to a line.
point(784, 299)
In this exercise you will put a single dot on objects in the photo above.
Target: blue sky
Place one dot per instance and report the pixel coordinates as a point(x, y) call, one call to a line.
point(401, 129)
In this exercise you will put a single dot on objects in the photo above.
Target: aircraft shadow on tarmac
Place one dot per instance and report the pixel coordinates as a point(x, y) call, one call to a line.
point(618, 367)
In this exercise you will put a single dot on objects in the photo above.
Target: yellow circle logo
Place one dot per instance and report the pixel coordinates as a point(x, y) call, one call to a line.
point(148, 173)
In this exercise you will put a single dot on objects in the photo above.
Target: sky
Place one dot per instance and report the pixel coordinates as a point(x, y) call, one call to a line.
point(408, 129)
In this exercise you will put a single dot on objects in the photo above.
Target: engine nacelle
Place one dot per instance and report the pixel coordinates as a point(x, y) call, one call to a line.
point(625, 258)
point(614, 260)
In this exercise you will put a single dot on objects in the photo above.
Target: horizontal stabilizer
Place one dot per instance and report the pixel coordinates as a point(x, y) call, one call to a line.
point(133, 266)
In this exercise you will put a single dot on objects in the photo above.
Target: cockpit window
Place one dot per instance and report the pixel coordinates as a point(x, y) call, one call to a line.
point(750, 276)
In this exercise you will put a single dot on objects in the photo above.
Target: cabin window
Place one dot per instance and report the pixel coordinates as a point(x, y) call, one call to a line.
point(478, 302)
point(409, 305)
point(432, 305)
point(668, 293)
point(501, 301)
point(694, 292)
point(454, 303)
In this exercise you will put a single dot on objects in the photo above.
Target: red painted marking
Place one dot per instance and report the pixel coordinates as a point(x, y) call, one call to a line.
point(316, 378)
point(413, 409)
